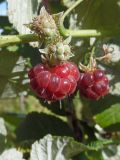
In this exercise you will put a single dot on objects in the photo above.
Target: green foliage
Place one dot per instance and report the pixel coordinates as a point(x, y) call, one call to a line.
point(36, 125)
point(109, 116)
point(61, 148)
point(97, 14)
point(75, 118)
point(7, 62)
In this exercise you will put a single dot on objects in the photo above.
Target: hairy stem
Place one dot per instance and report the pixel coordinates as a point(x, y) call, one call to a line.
point(16, 39)
point(26, 38)
point(84, 32)
point(74, 123)
point(62, 29)
point(90, 32)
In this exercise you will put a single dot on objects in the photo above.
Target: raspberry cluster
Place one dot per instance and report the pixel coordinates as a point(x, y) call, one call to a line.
point(57, 78)
point(54, 83)
point(93, 84)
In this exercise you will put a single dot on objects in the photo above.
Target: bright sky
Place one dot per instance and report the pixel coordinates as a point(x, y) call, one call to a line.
point(3, 8)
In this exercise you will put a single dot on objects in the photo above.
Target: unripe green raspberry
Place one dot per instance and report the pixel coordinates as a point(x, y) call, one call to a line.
point(67, 49)
point(57, 51)
point(49, 32)
point(60, 48)
point(63, 51)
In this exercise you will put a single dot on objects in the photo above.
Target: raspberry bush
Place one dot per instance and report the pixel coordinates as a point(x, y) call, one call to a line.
point(59, 80)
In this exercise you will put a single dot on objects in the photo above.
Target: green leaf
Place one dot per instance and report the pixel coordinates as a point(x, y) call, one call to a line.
point(91, 155)
point(61, 148)
point(13, 118)
point(36, 125)
point(13, 70)
point(7, 62)
point(98, 14)
point(109, 116)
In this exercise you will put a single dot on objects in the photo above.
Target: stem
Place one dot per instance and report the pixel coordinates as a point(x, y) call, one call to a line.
point(26, 38)
point(90, 32)
point(16, 39)
point(85, 32)
point(62, 29)
point(73, 120)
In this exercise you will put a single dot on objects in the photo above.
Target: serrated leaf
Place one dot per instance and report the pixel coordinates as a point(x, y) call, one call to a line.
point(7, 62)
point(55, 148)
point(97, 145)
point(37, 125)
point(11, 66)
point(109, 116)
point(21, 12)
point(111, 153)
point(60, 148)
point(98, 14)
point(47, 149)
point(91, 155)
point(13, 70)
point(13, 118)
point(11, 154)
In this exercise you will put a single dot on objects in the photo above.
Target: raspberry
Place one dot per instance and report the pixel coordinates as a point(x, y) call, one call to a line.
point(93, 84)
point(54, 83)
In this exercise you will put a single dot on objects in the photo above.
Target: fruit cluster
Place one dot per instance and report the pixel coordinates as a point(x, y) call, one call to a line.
point(54, 83)
point(57, 78)
point(93, 84)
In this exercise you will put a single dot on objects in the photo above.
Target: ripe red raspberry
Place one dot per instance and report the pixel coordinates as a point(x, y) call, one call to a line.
point(93, 84)
point(54, 83)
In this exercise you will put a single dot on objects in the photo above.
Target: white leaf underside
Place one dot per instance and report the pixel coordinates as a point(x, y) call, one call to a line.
point(22, 12)
point(47, 149)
